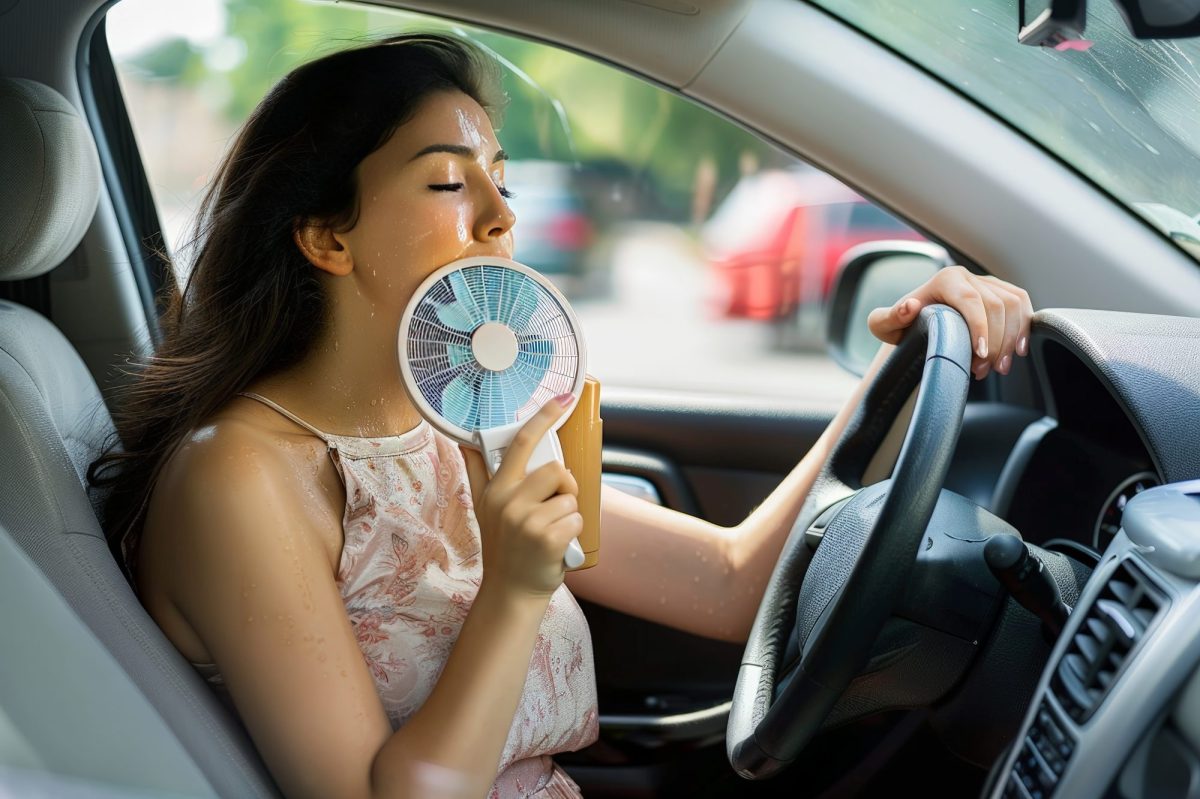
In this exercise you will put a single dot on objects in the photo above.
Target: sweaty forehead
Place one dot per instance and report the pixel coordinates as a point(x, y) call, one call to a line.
point(447, 118)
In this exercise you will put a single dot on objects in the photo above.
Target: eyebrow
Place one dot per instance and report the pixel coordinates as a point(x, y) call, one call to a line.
point(457, 149)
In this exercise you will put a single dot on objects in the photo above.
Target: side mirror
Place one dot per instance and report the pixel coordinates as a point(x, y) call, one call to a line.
point(872, 275)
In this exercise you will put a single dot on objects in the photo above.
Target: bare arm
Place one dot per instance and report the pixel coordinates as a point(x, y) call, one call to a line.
point(687, 573)
point(705, 579)
point(252, 578)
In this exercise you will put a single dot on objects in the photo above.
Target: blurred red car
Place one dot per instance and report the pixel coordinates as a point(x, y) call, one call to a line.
point(775, 241)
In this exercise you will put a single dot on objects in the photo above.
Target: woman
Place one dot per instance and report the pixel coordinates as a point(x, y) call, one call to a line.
point(385, 620)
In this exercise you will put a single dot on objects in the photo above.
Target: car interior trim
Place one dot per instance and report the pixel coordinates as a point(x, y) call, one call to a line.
point(633, 485)
point(1018, 460)
point(694, 724)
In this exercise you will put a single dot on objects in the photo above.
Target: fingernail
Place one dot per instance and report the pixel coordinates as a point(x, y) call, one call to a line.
point(1005, 363)
point(981, 347)
point(982, 371)
point(1023, 346)
point(565, 400)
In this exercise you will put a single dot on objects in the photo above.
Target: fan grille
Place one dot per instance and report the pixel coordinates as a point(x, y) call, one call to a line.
point(444, 366)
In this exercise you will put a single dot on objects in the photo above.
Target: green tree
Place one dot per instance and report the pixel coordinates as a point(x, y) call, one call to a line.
point(175, 60)
point(561, 106)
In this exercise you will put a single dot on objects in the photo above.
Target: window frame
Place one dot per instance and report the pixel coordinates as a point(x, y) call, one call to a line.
point(124, 171)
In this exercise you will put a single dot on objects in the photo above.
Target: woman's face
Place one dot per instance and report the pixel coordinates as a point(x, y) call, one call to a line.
point(433, 193)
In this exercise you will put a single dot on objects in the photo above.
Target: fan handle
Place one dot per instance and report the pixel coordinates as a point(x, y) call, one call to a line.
point(493, 443)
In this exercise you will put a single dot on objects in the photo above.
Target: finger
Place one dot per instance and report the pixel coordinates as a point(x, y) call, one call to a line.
point(1026, 311)
point(545, 482)
point(993, 305)
point(889, 323)
point(994, 300)
point(1012, 328)
point(566, 528)
point(516, 457)
point(476, 473)
point(953, 286)
point(554, 509)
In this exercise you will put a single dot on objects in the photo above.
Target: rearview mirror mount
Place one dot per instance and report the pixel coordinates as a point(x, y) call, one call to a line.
point(1058, 23)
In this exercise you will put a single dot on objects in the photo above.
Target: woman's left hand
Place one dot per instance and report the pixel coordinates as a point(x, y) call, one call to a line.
point(997, 315)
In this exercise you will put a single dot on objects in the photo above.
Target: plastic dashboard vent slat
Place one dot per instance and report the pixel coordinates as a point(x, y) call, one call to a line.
point(1114, 625)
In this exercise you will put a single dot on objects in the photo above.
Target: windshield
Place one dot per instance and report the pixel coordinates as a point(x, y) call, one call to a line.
point(1125, 113)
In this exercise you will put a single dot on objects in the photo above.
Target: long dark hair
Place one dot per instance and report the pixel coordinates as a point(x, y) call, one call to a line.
point(252, 304)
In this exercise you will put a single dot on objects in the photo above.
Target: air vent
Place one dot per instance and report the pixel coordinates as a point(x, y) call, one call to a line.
point(1114, 625)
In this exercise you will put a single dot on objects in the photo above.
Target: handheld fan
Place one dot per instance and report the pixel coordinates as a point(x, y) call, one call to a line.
point(484, 343)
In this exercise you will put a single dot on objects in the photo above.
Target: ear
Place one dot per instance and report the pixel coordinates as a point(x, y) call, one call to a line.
point(325, 249)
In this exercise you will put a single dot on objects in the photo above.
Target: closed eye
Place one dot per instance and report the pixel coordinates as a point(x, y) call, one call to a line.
point(505, 193)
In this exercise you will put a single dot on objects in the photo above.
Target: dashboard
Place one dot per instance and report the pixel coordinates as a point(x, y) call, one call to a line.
point(1082, 465)
point(1114, 468)
point(1117, 711)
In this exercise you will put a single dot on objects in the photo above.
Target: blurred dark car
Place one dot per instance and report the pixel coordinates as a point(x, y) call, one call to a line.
point(774, 243)
point(553, 232)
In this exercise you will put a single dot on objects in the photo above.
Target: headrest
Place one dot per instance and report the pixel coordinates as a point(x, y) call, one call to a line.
point(49, 178)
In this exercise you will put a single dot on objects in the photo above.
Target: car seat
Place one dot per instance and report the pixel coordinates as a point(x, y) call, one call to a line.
point(53, 423)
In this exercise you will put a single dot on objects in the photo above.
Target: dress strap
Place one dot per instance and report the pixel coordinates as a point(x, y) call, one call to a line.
point(271, 404)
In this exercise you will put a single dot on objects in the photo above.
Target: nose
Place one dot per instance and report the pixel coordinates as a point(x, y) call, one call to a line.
point(495, 218)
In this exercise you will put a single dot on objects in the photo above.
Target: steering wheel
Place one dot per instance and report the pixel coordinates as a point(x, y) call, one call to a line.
point(821, 612)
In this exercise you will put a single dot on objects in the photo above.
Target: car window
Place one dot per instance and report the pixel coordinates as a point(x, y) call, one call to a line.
point(697, 256)
point(1122, 111)
point(866, 216)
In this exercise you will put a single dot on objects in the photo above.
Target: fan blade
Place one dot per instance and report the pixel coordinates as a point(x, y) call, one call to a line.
point(459, 354)
point(523, 382)
point(537, 352)
point(496, 407)
point(462, 289)
point(520, 303)
point(460, 402)
point(455, 317)
point(492, 288)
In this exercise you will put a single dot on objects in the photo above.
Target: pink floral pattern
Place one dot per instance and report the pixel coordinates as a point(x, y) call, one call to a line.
point(409, 571)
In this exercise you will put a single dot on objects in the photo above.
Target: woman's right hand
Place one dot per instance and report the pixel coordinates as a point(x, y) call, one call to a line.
point(525, 520)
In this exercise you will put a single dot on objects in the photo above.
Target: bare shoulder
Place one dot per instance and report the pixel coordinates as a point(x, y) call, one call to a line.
point(224, 471)
point(237, 442)
point(242, 566)
point(239, 492)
